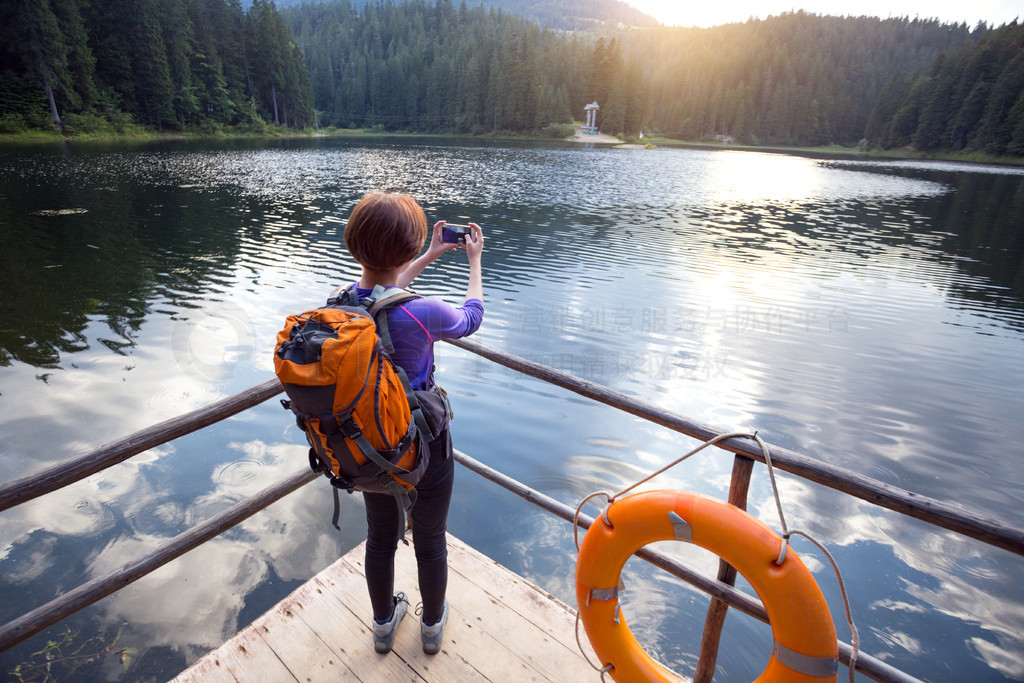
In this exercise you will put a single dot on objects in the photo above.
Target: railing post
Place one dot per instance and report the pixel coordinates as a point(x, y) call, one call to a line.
point(715, 619)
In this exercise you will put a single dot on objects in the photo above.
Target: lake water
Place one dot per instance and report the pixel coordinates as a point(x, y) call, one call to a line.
point(867, 314)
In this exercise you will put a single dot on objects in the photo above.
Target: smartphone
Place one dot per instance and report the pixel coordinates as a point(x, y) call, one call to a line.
point(453, 233)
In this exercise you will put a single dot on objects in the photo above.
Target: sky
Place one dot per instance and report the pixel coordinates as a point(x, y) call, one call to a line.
point(704, 13)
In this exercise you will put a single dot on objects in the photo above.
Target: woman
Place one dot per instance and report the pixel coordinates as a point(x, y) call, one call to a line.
point(384, 234)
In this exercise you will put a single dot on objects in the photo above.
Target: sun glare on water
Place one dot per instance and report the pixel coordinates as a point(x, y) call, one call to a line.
point(751, 178)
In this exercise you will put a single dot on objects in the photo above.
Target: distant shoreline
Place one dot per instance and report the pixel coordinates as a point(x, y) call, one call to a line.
point(832, 151)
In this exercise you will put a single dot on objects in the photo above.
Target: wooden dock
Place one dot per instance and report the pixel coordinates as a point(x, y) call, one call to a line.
point(500, 628)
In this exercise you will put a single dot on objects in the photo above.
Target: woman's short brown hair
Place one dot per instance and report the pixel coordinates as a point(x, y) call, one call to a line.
point(385, 230)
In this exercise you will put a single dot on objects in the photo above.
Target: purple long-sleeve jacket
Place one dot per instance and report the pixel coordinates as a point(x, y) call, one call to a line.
point(416, 325)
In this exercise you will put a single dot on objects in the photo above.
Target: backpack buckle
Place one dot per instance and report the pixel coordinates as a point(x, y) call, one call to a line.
point(349, 427)
point(340, 482)
point(390, 484)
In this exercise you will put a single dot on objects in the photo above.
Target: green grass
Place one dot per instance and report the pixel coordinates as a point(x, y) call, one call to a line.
point(145, 133)
point(96, 128)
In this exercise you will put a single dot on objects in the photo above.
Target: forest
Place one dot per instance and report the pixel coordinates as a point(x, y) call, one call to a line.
point(435, 67)
point(797, 79)
point(971, 98)
point(84, 66)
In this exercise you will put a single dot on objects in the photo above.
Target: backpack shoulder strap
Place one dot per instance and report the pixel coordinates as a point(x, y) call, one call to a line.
point(380, 299)
point(344, 296)
point(383, 298)
point(377, 304)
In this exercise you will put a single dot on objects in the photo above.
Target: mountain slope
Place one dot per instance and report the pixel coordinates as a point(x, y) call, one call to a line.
point(564, 15)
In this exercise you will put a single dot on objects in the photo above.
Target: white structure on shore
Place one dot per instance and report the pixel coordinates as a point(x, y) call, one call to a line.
point(591, 110)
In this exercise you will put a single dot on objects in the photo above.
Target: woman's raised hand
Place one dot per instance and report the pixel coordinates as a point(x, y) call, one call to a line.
point(475, 242)
point(437, 247)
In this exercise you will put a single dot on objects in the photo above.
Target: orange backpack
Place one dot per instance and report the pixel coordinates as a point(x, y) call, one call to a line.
point(367, 429)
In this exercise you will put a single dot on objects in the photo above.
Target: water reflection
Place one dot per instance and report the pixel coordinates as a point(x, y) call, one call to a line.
point(868, 315)
point(753, 179)
point(128, 510)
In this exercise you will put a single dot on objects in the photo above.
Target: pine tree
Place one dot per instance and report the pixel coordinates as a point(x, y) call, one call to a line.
point(229, 36)
point(300, 90)
point(36, 37)
point(269, 70)
point(1016, 119)
point(995, 130)
point(154, 90)
point(109, 25)
point(879, 127)
point(81, 63)
point(179, 45)
point(213, 98)
point(935, 110)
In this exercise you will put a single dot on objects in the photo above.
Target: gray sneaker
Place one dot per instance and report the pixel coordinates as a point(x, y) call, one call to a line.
point(384, 634)
point(432, 634)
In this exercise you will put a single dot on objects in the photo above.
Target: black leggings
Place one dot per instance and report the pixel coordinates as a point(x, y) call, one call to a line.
point(429, 523)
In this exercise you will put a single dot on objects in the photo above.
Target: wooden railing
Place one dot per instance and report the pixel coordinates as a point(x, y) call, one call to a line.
point(945, 515)
point(69, 471)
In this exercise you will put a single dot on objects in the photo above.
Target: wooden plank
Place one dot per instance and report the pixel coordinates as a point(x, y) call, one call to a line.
point(501, 625)
point(246, 657)
point(503, 629)
point(298, 646)
point(335, 605)
point(451, 663)
point(545, 612)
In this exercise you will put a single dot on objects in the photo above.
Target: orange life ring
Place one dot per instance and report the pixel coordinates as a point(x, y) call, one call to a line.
point(805, 647)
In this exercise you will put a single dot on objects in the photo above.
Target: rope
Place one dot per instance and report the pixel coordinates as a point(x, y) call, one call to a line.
point(775, 492)
point(786, 534)
point(606, 668)
point(576, 517)
point(698, 449)
point(854, 635)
